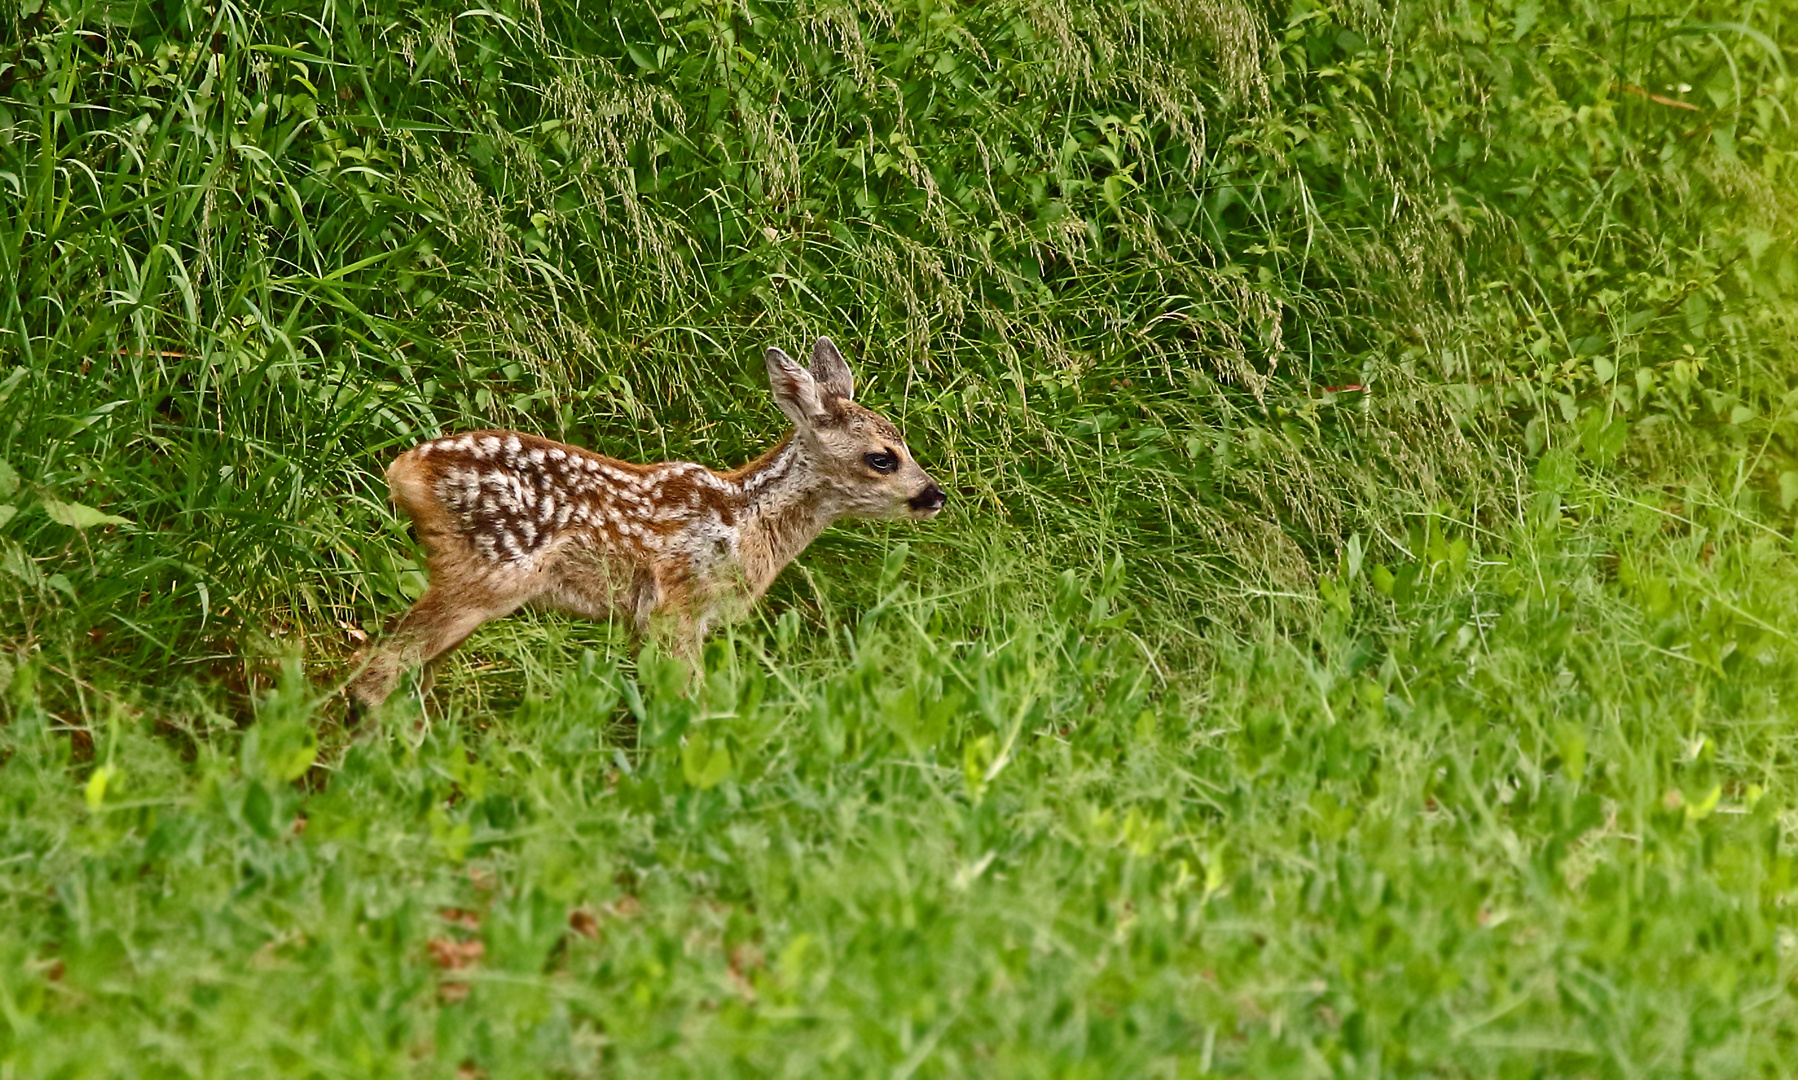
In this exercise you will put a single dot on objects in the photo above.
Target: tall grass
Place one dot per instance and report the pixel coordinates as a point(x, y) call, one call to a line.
point(311, 241)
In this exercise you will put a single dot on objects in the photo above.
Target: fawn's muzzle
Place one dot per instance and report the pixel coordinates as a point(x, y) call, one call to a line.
point(929, 500)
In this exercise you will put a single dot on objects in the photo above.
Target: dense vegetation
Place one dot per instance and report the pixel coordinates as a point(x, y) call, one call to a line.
point(1358, 643)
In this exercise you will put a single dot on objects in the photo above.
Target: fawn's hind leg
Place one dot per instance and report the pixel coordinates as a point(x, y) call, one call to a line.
point(439, 622)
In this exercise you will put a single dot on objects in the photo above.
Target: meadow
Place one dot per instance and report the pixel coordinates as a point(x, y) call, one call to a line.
point(1358, 642)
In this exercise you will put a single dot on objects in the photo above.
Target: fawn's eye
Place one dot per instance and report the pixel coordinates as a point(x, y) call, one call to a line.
point(881, 463)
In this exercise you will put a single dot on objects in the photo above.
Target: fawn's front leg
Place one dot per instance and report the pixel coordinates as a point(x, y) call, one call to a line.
point(668, 613)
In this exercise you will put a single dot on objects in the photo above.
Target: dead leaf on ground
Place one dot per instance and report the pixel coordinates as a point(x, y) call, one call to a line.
point(743, 959)
point(584, 922)
point(1659, 99)
point(454, 955)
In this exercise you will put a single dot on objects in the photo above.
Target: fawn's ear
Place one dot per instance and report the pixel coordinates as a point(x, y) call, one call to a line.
point(831, 372)
point(795, 391)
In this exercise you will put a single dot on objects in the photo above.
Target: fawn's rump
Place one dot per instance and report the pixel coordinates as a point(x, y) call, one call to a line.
point(503, 495)
point(504, 514)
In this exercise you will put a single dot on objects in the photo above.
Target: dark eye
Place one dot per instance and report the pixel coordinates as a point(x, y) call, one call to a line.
point(881, 463)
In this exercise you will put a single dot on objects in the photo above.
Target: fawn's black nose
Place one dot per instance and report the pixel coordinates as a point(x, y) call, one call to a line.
point(931, 498)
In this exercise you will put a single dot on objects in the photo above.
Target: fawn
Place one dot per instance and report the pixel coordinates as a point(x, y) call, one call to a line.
point(508, 519)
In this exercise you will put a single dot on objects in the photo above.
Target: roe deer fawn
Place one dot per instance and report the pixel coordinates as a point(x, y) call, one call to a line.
point(508, 519)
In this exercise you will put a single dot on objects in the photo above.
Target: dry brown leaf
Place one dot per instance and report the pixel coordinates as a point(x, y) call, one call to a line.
point(454, 955)
point(584, 922)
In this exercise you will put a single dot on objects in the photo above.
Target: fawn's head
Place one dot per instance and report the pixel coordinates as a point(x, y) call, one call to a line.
point(858, 452)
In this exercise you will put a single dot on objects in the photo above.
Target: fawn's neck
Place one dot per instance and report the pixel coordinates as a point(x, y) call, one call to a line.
point(786, 504)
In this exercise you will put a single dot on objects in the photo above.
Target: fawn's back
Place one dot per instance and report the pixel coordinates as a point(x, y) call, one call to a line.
point(504, 501)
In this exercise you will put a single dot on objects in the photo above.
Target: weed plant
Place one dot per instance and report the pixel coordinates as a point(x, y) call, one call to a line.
point(1358, 643)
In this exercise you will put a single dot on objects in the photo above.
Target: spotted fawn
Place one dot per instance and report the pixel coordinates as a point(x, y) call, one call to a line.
point(508, 519)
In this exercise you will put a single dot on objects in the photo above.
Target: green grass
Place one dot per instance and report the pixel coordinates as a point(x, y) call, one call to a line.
point(1231, 722)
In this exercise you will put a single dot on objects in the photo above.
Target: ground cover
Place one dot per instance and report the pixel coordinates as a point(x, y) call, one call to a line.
point(1358, 643)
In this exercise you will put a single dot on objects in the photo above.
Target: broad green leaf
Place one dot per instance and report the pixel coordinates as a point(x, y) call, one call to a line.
point(21, 566)
point(78, 516)
point(703, 764)
point(1555, 470)
point(1698, 811)
point(97, 782)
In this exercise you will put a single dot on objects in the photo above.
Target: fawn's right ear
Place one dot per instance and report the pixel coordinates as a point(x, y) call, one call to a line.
point(831, 372)
point(795, 391)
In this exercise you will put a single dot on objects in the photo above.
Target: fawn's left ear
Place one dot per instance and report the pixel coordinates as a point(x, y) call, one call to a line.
point(831, 371)
point(795, 391)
